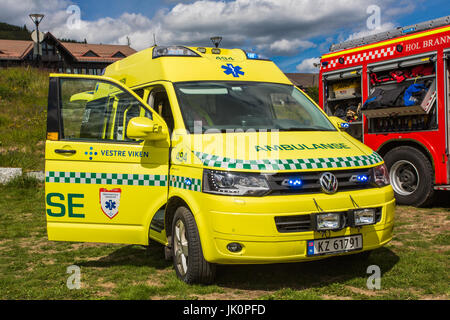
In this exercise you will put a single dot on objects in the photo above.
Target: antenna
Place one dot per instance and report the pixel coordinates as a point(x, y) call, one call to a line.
point(154, 40)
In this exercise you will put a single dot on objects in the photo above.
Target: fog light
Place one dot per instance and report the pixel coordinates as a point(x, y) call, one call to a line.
point(362, 217)
point(328, 221)
point(234, 247)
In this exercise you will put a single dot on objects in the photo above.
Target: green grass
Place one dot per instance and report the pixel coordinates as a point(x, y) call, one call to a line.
point(23, 114)
point(413, 266)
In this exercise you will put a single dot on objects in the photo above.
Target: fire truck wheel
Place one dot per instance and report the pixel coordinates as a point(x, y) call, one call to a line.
point(411, 175)
point(188, 260)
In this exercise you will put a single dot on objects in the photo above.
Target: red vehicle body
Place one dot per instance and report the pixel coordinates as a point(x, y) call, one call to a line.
point(413, 140)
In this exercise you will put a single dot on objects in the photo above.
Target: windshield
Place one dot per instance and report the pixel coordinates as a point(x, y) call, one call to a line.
point(259, 106)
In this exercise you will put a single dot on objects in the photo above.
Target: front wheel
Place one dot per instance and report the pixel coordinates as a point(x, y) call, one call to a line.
point(188, 260)
point(411, 175)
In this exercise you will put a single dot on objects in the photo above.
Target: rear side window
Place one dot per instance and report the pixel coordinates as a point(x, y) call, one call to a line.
point(97, 110)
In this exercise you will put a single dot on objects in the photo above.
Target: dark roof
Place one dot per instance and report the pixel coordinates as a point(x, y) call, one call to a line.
point(305, 80)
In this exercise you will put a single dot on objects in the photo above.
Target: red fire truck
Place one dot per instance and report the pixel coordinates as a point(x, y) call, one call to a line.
point(393, 90)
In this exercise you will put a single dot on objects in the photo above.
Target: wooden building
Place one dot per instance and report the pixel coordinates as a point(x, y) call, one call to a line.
point(63, 57)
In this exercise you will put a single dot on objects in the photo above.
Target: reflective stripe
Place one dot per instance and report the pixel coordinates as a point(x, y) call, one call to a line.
point(185, 183)
point(288, 164)
point(106, 178)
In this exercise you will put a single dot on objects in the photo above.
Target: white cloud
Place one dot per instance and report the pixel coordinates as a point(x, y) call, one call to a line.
point(307, 66)
point(285, 46)
point(365, 33)
point(16, 12)
point(276, 27)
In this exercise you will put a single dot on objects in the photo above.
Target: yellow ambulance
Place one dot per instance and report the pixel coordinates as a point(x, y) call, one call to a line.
point(216, 155)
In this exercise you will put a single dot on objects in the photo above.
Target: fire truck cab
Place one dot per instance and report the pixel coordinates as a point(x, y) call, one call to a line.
point(393, 89)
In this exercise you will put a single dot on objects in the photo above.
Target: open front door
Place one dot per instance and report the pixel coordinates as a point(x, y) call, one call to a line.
point(101, 186)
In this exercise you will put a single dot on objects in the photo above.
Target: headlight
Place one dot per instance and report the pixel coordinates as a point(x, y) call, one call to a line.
point(381, 175)
point(362, 217)
point(327, 221)
point(234, 184)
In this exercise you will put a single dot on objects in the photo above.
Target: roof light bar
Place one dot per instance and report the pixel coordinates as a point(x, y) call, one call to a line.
point(255, 56)
point(173, 51)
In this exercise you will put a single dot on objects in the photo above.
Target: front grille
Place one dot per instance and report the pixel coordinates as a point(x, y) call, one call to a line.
point(311, 184)
point(293, 223)
point(303, 223)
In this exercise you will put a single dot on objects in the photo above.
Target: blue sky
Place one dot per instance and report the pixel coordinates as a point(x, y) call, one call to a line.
point(293, 33)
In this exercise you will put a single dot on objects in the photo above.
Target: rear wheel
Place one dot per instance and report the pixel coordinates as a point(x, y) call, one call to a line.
point(411, 175)
point(188, 260)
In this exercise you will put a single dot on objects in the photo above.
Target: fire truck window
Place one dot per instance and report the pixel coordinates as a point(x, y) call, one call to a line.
point(344, 100)
point(402, 98)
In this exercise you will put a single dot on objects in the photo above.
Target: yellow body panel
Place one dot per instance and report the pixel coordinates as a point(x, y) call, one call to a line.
point(145, 70)
point(109, 164)
point(149, 174)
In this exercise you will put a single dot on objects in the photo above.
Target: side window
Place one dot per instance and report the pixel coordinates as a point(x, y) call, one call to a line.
point(159, 101)
point(126, 110)
point(97, 110)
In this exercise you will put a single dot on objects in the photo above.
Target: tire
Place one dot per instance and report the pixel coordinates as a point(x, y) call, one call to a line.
point(188, 261)
point(411, 175)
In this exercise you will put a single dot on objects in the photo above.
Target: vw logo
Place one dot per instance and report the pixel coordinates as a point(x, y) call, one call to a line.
point(328, 182)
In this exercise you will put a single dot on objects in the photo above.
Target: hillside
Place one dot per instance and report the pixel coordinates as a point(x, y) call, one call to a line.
point(23, 114)
point(11, 32)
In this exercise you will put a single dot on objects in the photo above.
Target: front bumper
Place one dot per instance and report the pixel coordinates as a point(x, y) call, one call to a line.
point(251, 222)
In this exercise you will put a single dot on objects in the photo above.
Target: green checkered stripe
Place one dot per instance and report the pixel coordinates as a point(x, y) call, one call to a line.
point(106, 178)
point(180, 182)
point(288, 164)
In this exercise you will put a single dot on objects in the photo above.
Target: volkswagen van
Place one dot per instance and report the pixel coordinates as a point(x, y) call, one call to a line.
point(214, 154)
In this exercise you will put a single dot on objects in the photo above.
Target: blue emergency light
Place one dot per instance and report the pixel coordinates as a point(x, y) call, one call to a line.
point(409, 30)
point(362, 178)
point(255, 56)
point(295, 182)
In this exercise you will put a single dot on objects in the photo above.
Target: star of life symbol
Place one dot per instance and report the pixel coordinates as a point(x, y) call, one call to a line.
point(110, 201)
point(110, 205)
point(234, 70)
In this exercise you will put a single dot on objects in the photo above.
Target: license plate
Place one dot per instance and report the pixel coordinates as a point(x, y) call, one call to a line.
point(334, 245)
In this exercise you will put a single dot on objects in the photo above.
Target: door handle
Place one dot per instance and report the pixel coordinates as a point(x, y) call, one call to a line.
point(63, 151)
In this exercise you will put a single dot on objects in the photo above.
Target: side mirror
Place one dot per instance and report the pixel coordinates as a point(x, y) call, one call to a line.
point(143, 128)
point(338, 122)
